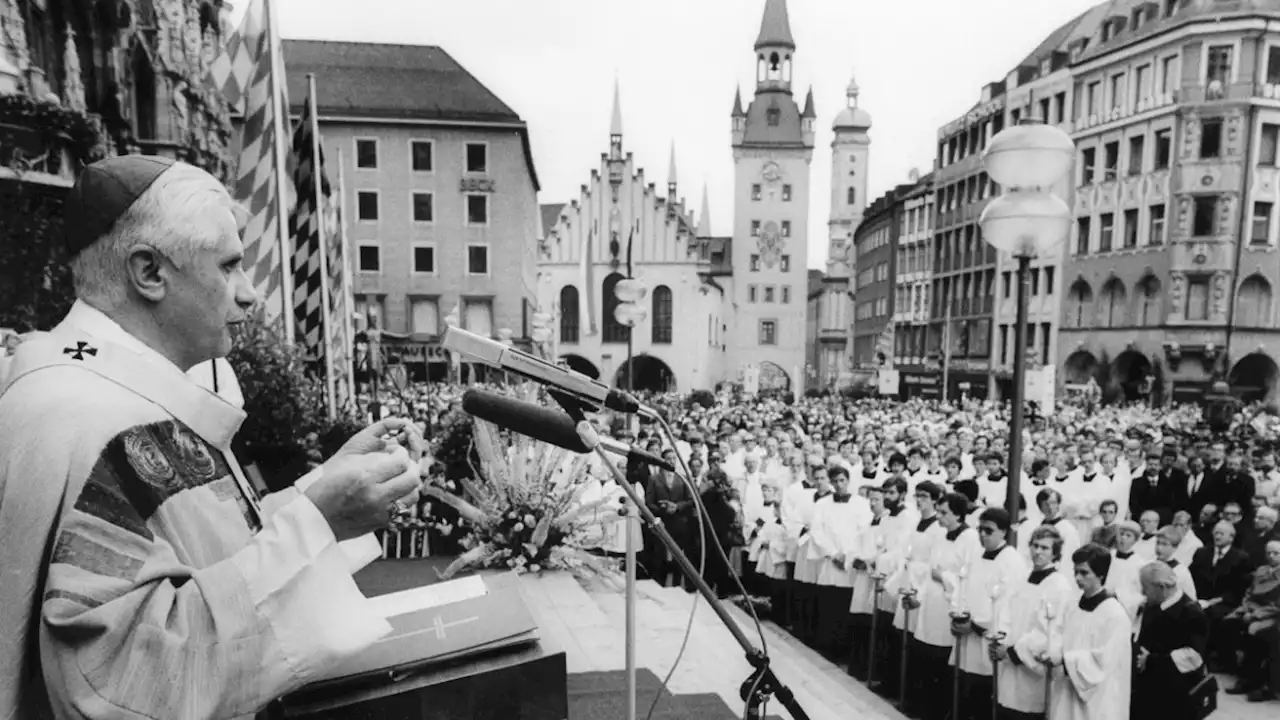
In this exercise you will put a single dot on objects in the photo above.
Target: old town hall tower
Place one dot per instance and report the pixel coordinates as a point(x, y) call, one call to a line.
point(772, 151)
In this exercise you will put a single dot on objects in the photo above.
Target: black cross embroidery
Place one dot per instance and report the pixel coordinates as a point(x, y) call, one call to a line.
point(80, 350)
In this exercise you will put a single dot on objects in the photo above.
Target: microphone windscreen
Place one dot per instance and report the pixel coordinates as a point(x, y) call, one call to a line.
point(539, 423)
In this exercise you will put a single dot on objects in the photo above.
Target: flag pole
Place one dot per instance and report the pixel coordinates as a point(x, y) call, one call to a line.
point(280, 121)
point(317, 184)
point(348, 294)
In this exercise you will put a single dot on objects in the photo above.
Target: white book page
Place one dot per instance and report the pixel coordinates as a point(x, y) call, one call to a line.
point(428, 596)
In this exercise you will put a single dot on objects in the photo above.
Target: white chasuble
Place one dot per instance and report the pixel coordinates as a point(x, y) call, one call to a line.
point(992, 576)
point(947, 567)
point(1032, 613)
point(1094, 661)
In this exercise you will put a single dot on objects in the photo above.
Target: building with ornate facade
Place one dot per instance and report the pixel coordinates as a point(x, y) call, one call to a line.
point(1170, 271)
point(440, 191)
point(742, 298)
point(875, 245)
point(913, 277)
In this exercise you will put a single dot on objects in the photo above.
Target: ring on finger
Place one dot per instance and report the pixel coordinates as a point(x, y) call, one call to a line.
point(400, 507)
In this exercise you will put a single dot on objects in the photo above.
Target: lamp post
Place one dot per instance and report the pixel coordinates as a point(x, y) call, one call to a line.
point(630, 312)
point(1025, 222)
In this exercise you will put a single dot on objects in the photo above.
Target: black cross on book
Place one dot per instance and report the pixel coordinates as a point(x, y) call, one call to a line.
point(81, 349)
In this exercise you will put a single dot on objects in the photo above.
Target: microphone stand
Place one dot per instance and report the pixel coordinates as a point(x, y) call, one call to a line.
point(762, 683)
point(627, 513)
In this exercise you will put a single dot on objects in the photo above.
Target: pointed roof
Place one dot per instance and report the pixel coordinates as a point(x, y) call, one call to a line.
point(671, 166)
point(775, 26)
point(704, 216)
point(809, 112)
point(737, 103)
point(615, 126)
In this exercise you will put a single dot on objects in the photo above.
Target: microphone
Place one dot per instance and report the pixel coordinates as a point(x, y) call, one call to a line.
point(549, 426)
point(566, 382)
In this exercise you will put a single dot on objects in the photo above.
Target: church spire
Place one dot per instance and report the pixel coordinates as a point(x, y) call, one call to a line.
point(775, 27)
point(737, 103)
point(615, 125)
point(704, 217)
point(671, 174)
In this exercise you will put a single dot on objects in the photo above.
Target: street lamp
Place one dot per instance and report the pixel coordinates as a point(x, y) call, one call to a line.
point(1025, 222)
point(630, 312)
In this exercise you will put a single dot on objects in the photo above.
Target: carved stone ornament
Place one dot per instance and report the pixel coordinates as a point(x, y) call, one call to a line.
point(73, 90)
point(770, 243)
point(1219, 293)
point(1175, 294)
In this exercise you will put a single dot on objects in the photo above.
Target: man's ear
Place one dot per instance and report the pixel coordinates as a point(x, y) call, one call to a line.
point(146, 273)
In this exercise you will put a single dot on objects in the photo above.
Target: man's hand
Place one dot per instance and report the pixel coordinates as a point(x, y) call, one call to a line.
point(1143, 655)
point(357, 492)
point(384, 436)
point(997, 651)
point(838, 561)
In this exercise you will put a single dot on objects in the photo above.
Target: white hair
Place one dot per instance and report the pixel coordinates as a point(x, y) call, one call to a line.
point(163, 217)
point(1159, 573)
point(1268, 512)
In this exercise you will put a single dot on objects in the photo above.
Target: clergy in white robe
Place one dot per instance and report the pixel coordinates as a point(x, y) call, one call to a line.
point(771, 564)
point(1188, 542)
point(838, 519)
point(915, 570)
point(865, 552)
point(808, 562)
point(932, 641)
point(992, 575)
point(1149, 522)
point(1092, 659)
point(901, 523)
point(1031, 614)
point(1049, 501)
point(1126, 565)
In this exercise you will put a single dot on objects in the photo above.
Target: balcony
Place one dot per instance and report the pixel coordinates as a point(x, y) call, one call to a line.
point(45, 143)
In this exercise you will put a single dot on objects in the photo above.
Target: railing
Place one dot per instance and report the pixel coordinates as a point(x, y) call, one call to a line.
point(404, 544)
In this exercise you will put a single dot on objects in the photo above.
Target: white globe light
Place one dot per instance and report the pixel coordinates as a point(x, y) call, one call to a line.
point(541, 320)
point(451, 319)
point(1028, 156)
point(1025, 224)
point(630, 290)
point(630, 314)
point(541, 335)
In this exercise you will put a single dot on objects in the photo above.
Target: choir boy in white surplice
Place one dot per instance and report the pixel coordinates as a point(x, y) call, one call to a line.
point(1150, 524)
point(915, 570)
point(1126, 565)
point(862, 601)
point(1049, 501)
point(901, 524)
point(932, 641)
point(1032, 613)
point(1093, 657)
point(808, 563)
point(992, 575)
point(797, 512)
point(1166, 547)
point(838, 520)
point(771, 562)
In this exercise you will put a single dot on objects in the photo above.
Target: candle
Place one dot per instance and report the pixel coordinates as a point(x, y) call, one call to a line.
point(995, 609)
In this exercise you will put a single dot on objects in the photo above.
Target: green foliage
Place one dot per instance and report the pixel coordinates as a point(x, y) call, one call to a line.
point(37, 290)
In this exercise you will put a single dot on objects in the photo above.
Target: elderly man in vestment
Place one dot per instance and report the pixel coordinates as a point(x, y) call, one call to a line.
point(1092, 659)
point(141, 576)
point(1169, 651)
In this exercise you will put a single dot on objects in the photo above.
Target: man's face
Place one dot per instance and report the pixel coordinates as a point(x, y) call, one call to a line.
point(991, 536)
point(207, 297)
point(1196, 465)
point(1267, 462)
point(1231, 513)
point(1222, 535)
point(993, 466)
point(1108, 513)
point(1125, 541)
point(1042, 553)
point(891, 497)
point(1164, 549)
point(1150, 521)
point(1086, 579)
point(1217, 453)
point(1264, 523)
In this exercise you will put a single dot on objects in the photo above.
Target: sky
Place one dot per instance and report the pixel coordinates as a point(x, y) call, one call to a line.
point(919, 64)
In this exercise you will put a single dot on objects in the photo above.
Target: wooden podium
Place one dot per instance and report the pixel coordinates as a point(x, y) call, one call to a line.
point(478, 658)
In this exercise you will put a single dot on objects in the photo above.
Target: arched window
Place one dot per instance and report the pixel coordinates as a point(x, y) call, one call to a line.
point(662, 315)
point(144, 95)
point(612, 330)
point(1113, 303)
point(1149, 301)
point(851, 196)
point(570, 314)
point(1253, 303)
point(1079, 300)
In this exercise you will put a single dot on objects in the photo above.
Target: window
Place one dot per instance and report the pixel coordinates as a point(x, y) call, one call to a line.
point(1004, 343)
point(786, 294)
point(784, 264)
point(367, 154)
point(1170, 7)
point(768, 332)
point(370, 258)
point(1048, 281)
point(613, 331)
point(477, 209)
point(756, 192)
point(1204, 220)
point(1130, 229)
point(1169, 81)
point(755, 262)
point(1046, 340)
point(772, 116)
point(851, 196)
point(662, 315)
point(1087, 158)
point(1060, 108)
point(424, 259)
point(1142, 83)
point(1149, 301)
point(1267, 148)
point(422, 155)
point(1035, 281)
point(1106, 229)
point(570, 314)
point(755, 228)
point(1117, 91)
point(1197, 299)
point(786, 193)
point(367, 205)
point(477, 317)
point(751, 293)
point(477, 259)
point(768, 293)
point(1137, 150)
point(1111, 160)
point(786, 228)
point(1092, 101)
point(477, 158)
point(1031, 335)
point(1261, 234)
point(1164, 148)
point(1211, 138)
point(1006, 281)
point(1156, 236)
point(425, 316)
point(423, 207)
point(1218, 68)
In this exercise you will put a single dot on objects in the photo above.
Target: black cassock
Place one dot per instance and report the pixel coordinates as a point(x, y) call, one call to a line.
point(1160, 690)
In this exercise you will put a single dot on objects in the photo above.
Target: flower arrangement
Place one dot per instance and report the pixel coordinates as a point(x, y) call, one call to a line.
point(523, 508)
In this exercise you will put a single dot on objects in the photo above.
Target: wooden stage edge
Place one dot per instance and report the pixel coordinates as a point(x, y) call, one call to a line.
point(586, 621)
